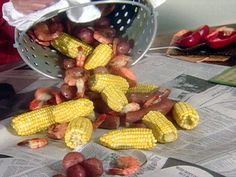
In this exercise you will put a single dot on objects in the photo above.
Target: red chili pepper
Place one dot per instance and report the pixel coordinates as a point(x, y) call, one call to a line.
point(218, 39)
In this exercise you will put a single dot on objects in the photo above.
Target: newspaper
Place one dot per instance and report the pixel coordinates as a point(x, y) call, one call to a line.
point(210, 145)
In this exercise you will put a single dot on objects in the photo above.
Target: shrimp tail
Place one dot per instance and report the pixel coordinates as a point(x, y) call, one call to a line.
point(116, 171)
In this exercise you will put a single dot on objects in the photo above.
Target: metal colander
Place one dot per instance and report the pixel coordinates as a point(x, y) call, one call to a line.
point(132, 19)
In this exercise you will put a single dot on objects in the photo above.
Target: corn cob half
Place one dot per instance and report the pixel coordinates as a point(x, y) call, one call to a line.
point(185, 115)
point(100, 56)
point(163, 129)
point(78, 132)
point(33, 122)
point(114, 97)
point(68, 45)
point(142, 88)
point(69, 110)
point(98, 82)
point(129, 138)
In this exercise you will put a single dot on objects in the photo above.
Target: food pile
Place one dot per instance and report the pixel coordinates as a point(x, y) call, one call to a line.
point(99, 91)
point(76, 165)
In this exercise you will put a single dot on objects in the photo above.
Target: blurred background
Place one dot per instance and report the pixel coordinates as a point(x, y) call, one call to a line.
point(178, 14)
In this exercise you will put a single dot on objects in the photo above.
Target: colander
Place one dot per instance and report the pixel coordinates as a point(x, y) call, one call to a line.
point(132, 19)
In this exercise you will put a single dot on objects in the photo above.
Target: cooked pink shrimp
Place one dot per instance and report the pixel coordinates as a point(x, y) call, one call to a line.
point(34, 38)
point(42, 32)
point(126, 166)
point(43, 94)
point(119, 61)
point(125, 72)
point(114, 46)
point(80, 85)
point(34, 143)
point(80, 59)
point(131, 107)
point(73, 74)
point(102, 37)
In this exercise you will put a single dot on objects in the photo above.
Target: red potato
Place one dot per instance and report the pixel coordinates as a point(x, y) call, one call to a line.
point(69, 92)
point(111, 122)
point(71, 159)
point(86, 35)
point(68, 63)
point(76, 171)
point(164, 106)
point(93, 167)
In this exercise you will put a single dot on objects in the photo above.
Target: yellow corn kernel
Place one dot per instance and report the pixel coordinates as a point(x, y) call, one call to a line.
point(129, 138)
point(114, 97)
point(101, 55)
point(33, 122)
point(185, 115)
point(68, 45)
point(163, 129)
point(78, 132)
point(98, 82)
point(69, 110)
point(142, 88)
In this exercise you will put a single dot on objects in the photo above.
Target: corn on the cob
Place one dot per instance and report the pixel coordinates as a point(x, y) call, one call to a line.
point(68, 45)
point(114, 97)
point(33, 122)
point(101, 55)
point(98, 82)
point(69, 110)
point(185, 115)
point(163, 129)
point(129, 138)
point(142, 88)
point(78, 132)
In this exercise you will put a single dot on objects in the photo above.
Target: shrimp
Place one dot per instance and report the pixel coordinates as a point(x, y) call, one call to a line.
point(80, 59)
point(125, 72)
point(126, 166)
point(45, 97)
point(119, 61)
point(101, 118)
point(73, 74)
point(156, 97)
point(131, 107)
point(34, 143)
point(43, 94)
point(42, 32)
point(34, 38)
point(114, 46)
point(57, 131)
point(36, 104)
point(80, 85)
point(102, 37)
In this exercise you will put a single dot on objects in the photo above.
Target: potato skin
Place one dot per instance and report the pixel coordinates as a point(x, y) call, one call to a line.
point(93, 167)
point(71, 159)
point(76, 171)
